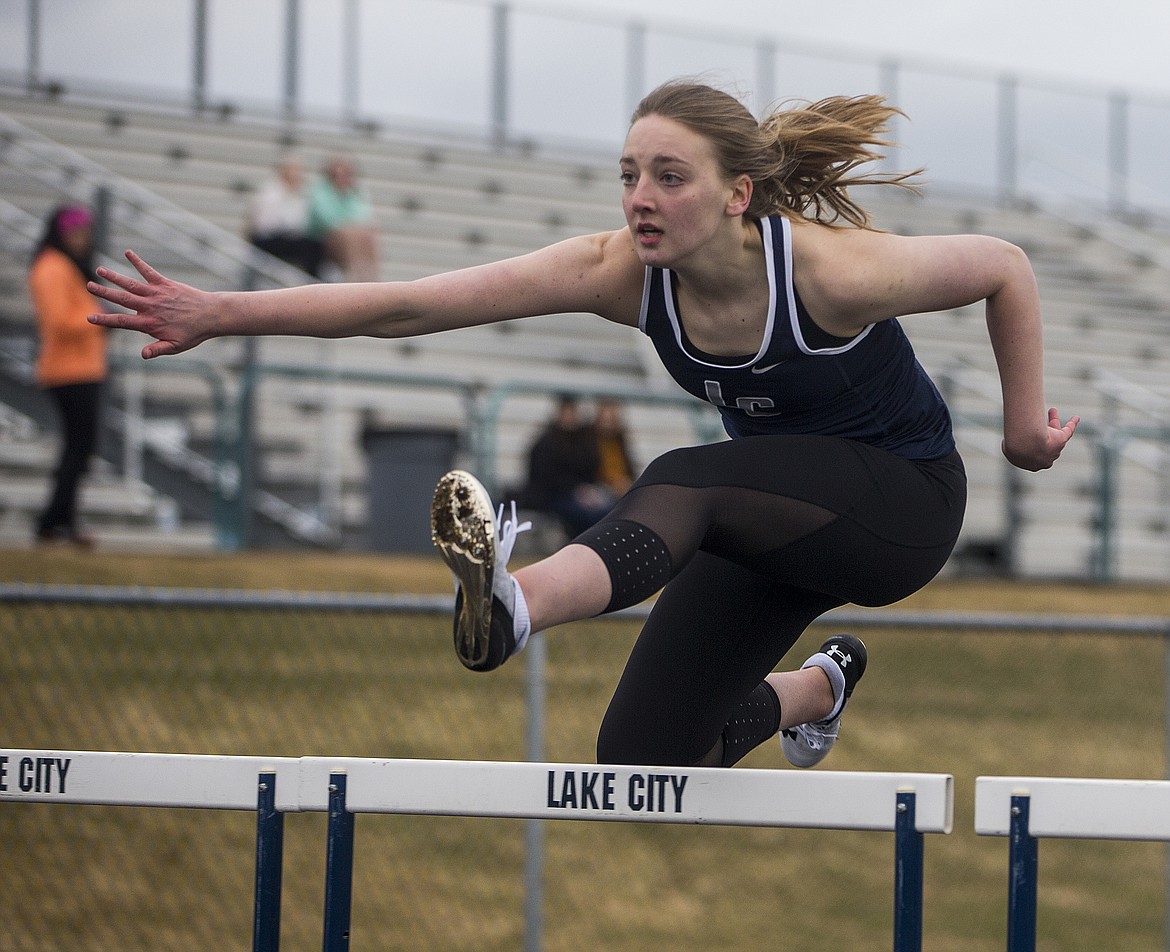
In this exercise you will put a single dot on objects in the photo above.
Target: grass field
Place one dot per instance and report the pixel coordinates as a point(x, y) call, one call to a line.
point(298, 683)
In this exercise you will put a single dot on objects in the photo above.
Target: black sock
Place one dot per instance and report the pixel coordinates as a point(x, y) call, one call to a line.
point(752, 723)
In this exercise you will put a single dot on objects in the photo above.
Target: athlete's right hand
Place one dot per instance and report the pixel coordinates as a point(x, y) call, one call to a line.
point(176, 315)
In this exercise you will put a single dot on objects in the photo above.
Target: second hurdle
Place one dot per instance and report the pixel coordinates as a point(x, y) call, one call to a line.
point(906, 804)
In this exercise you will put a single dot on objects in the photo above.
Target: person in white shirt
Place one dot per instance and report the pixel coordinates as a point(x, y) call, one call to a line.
point(279, 217)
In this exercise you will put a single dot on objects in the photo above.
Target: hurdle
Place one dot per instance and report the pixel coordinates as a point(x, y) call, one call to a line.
point(908, 805)
point(204, 781)
point(1027, 809)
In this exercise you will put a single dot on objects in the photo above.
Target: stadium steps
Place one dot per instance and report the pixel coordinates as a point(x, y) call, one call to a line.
point(119, 513)
point(441, 205)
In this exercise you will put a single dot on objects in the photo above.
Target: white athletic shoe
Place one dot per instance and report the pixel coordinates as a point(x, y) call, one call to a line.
point(843, 659)
point(491, 616)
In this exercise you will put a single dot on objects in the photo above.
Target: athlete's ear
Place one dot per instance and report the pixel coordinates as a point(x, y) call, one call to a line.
point(740, 196)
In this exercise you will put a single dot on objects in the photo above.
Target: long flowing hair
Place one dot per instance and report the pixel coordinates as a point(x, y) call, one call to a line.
point(802, 158)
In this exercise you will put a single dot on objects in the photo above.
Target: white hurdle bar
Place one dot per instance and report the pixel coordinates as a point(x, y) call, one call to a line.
point(1026, 809)
point(908, 805)
point(172, 780)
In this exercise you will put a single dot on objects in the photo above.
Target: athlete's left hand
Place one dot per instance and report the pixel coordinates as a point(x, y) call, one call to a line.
point(1043, 451)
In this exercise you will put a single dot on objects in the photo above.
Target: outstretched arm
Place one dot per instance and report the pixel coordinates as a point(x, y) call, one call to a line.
point(597, 273)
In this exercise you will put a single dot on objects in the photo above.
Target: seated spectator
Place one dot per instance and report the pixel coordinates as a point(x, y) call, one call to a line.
point(615, 467)
point(562, 471)
point(340, 217)
point(279, 219)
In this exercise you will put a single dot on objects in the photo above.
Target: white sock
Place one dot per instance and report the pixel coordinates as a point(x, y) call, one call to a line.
point(521, 622)
point(836, 678)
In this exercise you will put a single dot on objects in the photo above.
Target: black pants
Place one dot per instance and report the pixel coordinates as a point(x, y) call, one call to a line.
point(301, 251)
point(764, 534)
point(79, 406)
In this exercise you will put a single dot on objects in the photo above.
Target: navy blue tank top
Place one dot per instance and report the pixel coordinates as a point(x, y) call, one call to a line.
point(869, 388)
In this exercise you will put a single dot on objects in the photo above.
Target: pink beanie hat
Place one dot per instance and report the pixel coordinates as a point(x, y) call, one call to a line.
point(75, 216)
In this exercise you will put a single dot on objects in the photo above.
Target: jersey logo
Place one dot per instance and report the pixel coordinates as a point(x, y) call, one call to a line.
point(752, 406)
point(764, 370)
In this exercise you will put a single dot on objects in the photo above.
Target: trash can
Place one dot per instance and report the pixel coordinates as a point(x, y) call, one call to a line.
point(404, 464)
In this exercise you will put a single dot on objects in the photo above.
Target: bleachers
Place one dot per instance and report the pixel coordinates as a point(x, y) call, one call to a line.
point(441, 205)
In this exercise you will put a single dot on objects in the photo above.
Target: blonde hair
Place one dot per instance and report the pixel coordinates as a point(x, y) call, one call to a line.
point(801, 157)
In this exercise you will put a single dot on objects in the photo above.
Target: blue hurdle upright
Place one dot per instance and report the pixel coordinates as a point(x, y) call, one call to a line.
point(177, 781)
point(1027, 809)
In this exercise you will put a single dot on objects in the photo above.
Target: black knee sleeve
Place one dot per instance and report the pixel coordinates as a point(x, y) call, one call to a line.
point(752, 723)
point(638, 560)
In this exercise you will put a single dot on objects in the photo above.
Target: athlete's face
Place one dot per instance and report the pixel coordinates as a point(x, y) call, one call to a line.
point(674, 196)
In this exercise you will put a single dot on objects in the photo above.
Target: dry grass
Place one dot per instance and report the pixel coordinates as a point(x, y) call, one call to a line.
point(364, 685)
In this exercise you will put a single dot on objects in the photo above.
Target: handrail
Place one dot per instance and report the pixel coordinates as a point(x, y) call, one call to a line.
point(20, 231)
point(200, 242)
point(485, 401)
point(226, 257)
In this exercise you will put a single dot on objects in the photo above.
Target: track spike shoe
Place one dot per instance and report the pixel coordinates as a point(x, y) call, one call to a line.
point(491, 617)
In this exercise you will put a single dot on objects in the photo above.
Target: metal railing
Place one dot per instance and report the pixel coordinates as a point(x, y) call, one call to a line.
point(370, 65)
point(225, 258)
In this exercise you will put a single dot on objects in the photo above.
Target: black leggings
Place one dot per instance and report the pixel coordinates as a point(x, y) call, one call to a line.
point(764, 534)
point(79, 406)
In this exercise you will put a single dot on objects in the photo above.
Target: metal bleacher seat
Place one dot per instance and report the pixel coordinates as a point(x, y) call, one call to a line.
point(445, 204)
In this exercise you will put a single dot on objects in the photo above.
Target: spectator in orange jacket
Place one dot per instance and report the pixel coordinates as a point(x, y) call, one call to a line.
point(71, 362)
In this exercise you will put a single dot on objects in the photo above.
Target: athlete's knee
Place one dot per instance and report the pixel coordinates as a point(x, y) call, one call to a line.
point(638, 561)
point(642, 741)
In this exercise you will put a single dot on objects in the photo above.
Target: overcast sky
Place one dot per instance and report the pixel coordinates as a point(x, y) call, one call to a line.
point(429, 61)
point(1123, 42)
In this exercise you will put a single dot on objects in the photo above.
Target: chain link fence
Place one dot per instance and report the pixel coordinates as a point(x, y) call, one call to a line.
point(288, 677)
